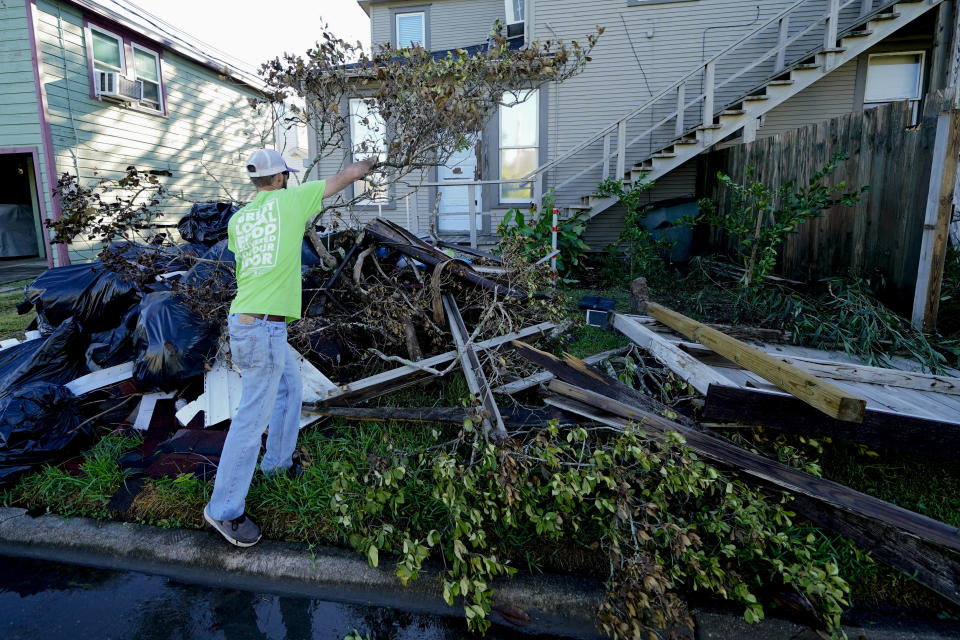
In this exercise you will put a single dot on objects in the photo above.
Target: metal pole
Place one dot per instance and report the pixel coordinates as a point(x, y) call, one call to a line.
point(553, 243)
point(472, 207)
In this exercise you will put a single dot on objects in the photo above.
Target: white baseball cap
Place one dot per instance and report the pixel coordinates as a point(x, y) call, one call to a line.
point(266, 162)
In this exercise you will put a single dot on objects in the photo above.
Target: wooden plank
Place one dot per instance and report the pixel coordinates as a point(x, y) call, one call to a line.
point(890, 532)
point(825, 396)
point(897, 432)
point(518, 417)
point(576, 372)
point(936, 225)
point(699, 375)
point(545, 376)
point(825, 492)
point(834, 370)
point(493, 427)
point(407, 375)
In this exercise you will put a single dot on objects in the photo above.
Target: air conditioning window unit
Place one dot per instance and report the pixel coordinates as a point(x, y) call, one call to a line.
point(115, 86)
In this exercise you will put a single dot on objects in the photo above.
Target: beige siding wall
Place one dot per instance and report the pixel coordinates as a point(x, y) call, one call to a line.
point(453, 23)
point(829, 97)
point(203, 141)
point(20, 124)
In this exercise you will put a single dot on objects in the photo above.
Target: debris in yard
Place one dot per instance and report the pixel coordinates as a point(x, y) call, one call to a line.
point(879, 525)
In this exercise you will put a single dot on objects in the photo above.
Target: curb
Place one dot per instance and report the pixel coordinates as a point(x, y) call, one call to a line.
point(556, 604)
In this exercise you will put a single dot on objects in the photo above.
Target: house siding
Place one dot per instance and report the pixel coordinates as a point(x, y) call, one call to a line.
point(831, 96)
point(20, 123)
point(203, 141)
point(453, 23)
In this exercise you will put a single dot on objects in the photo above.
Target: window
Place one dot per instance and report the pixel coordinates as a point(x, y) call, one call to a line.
point(519, 143)
point(133, 63)
point(515, 10)
point(892, 77)
point(107, 51)
point(146, 67)
point(411, 29)
point(367, 138)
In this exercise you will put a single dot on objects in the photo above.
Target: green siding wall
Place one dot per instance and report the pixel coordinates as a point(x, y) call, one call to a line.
point(19, 113)
point(203, 142)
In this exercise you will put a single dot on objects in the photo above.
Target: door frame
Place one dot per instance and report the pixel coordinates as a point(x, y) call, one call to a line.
point(40, 207)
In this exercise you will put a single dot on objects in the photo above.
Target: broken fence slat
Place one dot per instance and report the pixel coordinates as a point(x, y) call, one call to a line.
point(825, 396)
point(699, 375)
point(516, 417)
point(724, 452)
point(545, 376)
point(404, 376)
point(473, 371)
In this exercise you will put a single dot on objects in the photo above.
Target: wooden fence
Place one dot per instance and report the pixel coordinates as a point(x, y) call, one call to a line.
point(882, 234)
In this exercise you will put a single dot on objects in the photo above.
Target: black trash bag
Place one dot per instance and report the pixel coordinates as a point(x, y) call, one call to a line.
point(91, 295)
point(57, 359)
point(216, 268)
point(207, 222)
point(171, 343)
point(160, 259)
point(39, 424)
point(110, 348)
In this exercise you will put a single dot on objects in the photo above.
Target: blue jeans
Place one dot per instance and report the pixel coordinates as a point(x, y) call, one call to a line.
point(272, 395)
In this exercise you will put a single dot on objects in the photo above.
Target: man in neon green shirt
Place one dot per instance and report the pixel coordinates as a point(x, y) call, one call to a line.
point(266, 237)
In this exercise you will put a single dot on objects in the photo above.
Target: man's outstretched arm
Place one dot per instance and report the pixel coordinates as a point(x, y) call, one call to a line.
point(356, 171)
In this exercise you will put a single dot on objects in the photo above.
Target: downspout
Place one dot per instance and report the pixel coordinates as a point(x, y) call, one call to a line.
point(63, 257)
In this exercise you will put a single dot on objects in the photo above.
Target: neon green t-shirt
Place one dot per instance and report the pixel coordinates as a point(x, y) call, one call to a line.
point(266, 236)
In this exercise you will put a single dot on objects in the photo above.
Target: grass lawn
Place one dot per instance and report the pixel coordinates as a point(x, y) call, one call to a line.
point(12, 324)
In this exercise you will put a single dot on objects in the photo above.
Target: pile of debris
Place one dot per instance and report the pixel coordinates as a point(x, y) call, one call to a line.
point(146, 322)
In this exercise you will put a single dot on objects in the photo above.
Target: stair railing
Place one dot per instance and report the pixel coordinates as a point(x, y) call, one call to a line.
point(672, 114)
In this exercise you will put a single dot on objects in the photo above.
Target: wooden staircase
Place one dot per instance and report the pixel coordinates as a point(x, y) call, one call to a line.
point(847, 29)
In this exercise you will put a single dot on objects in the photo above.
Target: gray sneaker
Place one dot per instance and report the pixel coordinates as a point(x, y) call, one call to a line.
point(239, 531)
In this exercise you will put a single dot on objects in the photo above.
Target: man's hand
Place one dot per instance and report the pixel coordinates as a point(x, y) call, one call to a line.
point(350, 174)
point(364, 167)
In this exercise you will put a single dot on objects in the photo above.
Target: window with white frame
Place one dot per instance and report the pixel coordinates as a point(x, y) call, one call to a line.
point(132, 62)
point(519, 143)
point(411, 29)
point(107, 51)
point(516, 10)
point(368, 137)
point(893, 77)
point(146, 67)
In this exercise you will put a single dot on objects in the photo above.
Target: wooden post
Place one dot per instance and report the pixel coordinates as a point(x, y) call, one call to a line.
point(472, 211)
point(709, 76)
point(606, 156)
point(750, 128)
point(936, 224)
point(681, 100)
point(781, 43)
point(830, 34)
point(621, 149)
point(827, 397)
point(866, 6)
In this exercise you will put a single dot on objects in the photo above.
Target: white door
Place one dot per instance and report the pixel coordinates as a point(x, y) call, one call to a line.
point(454, 210)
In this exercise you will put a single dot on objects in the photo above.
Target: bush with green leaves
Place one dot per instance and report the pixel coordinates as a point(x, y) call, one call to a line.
point(532, 240)
point(668, 522)
point(758, 217)
point(643, 253)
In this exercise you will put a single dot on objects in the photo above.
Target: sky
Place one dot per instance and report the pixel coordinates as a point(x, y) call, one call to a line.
point(254, 31)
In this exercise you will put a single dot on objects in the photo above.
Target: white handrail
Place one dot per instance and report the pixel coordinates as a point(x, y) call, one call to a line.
point(779, 50)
